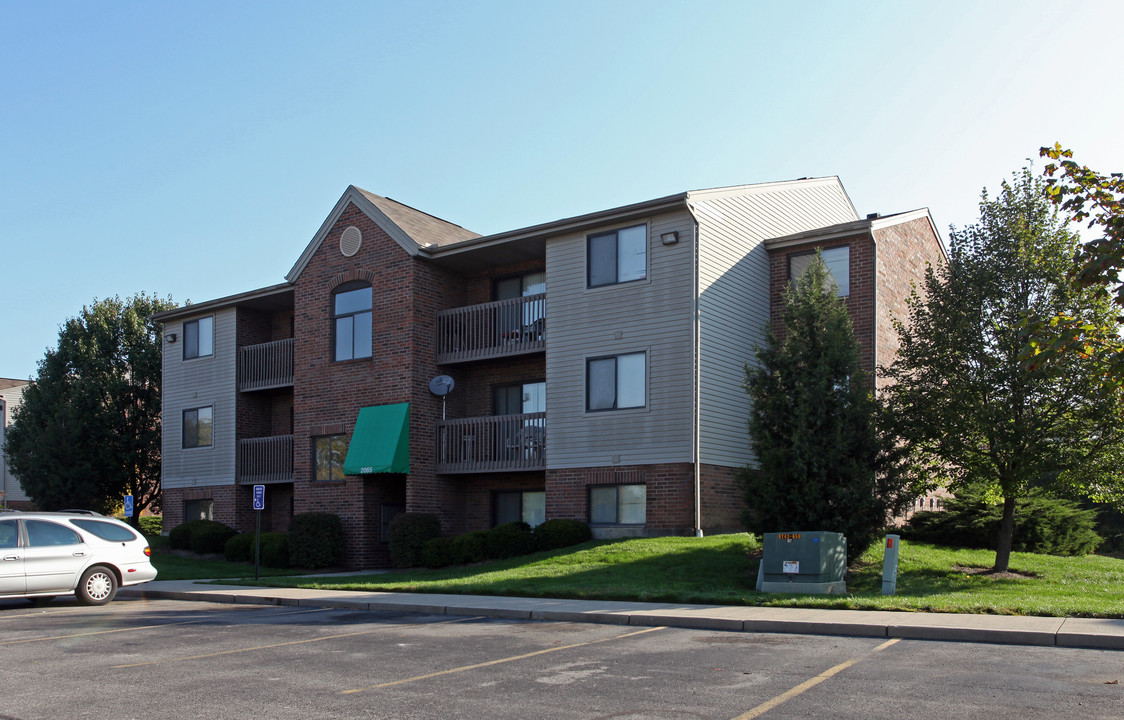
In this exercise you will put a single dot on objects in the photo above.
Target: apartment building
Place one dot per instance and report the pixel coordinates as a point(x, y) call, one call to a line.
point(12, 495)
point(586, 368)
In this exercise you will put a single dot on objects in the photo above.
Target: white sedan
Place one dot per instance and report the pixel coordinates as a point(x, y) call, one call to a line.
point(44, 554)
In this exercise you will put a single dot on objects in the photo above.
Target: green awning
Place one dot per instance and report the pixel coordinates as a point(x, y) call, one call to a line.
point(380, 442)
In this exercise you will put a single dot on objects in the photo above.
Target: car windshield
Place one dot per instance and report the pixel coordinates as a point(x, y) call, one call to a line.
point(105, 530)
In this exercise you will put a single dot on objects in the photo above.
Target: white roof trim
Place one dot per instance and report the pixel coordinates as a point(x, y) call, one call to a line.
point(355, 197)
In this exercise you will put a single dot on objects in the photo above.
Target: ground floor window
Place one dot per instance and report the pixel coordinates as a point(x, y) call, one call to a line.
point(203, 509)
point(618, 504)
point(329, 452)
point(520, 505)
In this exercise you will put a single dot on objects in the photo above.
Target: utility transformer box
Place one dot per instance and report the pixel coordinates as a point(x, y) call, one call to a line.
point(804, 562)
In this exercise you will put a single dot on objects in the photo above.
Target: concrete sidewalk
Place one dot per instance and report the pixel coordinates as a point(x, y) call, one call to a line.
point(1061, 632)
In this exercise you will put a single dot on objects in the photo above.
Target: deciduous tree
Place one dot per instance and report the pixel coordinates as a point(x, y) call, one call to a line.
point(88, 431)
point(962, 400)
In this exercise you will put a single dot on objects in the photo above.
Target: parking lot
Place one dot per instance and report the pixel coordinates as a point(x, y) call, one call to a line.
point(169, 659)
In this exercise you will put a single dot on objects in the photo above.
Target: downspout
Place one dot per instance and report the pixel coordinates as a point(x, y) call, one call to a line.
point(697, 419)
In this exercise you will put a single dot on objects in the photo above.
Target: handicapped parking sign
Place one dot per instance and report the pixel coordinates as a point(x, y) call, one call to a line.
point(259, 497)
point(128, 506)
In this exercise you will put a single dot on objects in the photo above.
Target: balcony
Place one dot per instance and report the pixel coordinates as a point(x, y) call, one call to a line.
point(491, 330)
point(265, 366)
point(501, 443)
point(265, 460)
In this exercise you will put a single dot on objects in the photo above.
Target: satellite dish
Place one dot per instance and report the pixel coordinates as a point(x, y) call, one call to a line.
point(441, 385)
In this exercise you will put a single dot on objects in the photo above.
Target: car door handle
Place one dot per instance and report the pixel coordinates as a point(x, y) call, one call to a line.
point(11, 557)
point(80, 553)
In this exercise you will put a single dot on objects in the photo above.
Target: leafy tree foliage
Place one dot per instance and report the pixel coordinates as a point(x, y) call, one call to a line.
point(813, 426)
point(962, 400)
point(1086, 195)
point(88, 431)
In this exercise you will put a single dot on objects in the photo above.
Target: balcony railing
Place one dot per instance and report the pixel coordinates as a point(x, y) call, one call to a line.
point(265, 366)
point(492, 444)
point(496, 329)
point(265, 460)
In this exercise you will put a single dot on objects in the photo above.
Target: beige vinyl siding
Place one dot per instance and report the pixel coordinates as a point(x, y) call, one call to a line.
point(9, 483)
point(653, 315)
point(194, 383)
point(734, 294)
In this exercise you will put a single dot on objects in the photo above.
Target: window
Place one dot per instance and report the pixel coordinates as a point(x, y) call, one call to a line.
point(9, 534)
point(203, 509)
point(198, 427)
point(106, 531)
point(837, 260)
point(615, 382)
point(526, 506)
point(617, 257)
point(329, 452)
point(198, 338)
point(351, 322)
point(618, 504)
point(44, 534)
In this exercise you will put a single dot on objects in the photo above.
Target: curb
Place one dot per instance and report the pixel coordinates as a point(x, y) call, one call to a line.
point(1057, 636)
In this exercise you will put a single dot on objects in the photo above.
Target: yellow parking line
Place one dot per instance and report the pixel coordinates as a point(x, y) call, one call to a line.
point(496, 662)
point(808, 684)
point(285, 644)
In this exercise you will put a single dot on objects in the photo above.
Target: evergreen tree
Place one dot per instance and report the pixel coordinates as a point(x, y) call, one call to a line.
point(813, 425)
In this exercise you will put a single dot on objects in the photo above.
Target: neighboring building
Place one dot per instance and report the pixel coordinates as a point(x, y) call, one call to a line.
point(598, 363)
point(11, 494)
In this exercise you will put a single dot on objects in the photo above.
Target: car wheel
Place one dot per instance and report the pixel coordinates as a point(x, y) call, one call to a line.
point(97, 586)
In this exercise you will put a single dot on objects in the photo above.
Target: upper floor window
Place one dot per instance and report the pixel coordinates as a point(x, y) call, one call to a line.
point(198, 427)
point(619, 256)
point(198, 338)
point(837, 260)
point(351, 321)
point(615, 382)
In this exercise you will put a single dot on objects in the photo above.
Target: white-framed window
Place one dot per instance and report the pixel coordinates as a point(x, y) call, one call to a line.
point(351, 321)
point(837, 260)
point(528, 506)
point(618, 256)
point(199, 338)
point(198, 427)
point(616, 382)
point(618, 504)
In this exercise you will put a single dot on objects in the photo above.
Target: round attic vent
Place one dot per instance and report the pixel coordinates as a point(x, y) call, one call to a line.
point(350, 241)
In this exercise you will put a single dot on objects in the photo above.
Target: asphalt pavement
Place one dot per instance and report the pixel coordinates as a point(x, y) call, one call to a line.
point(1105, 633)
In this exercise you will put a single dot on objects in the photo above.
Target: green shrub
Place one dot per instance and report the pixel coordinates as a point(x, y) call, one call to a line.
point(509, 540)
point(315, 540)
point(560, 533)
point(409, 532)
point(240, 548)
point(1043, 524)
point(438, 552)
point(470, 547)
point(274, 550)
point(150, 525)
point(180, 536)
point(211, 538)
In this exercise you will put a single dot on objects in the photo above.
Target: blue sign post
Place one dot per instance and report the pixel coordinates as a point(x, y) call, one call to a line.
point(128, 506)
point(259, 505)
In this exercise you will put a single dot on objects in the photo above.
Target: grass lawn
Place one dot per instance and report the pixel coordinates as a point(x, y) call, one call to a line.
point(720, 570)
point(176, 567)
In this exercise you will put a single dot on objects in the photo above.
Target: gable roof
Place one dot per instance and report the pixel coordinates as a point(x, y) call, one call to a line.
point(8, 383)
point(868, 224)
point(412, 229)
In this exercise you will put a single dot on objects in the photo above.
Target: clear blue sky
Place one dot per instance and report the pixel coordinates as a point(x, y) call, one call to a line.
point(192, 149)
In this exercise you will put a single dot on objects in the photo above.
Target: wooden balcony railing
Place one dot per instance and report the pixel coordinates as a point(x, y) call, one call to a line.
point(265, 460)
point(496, 329)
point(265, 366)
point(492, 444)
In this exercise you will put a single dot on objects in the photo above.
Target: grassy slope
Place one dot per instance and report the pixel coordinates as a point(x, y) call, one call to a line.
point(719, 570)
